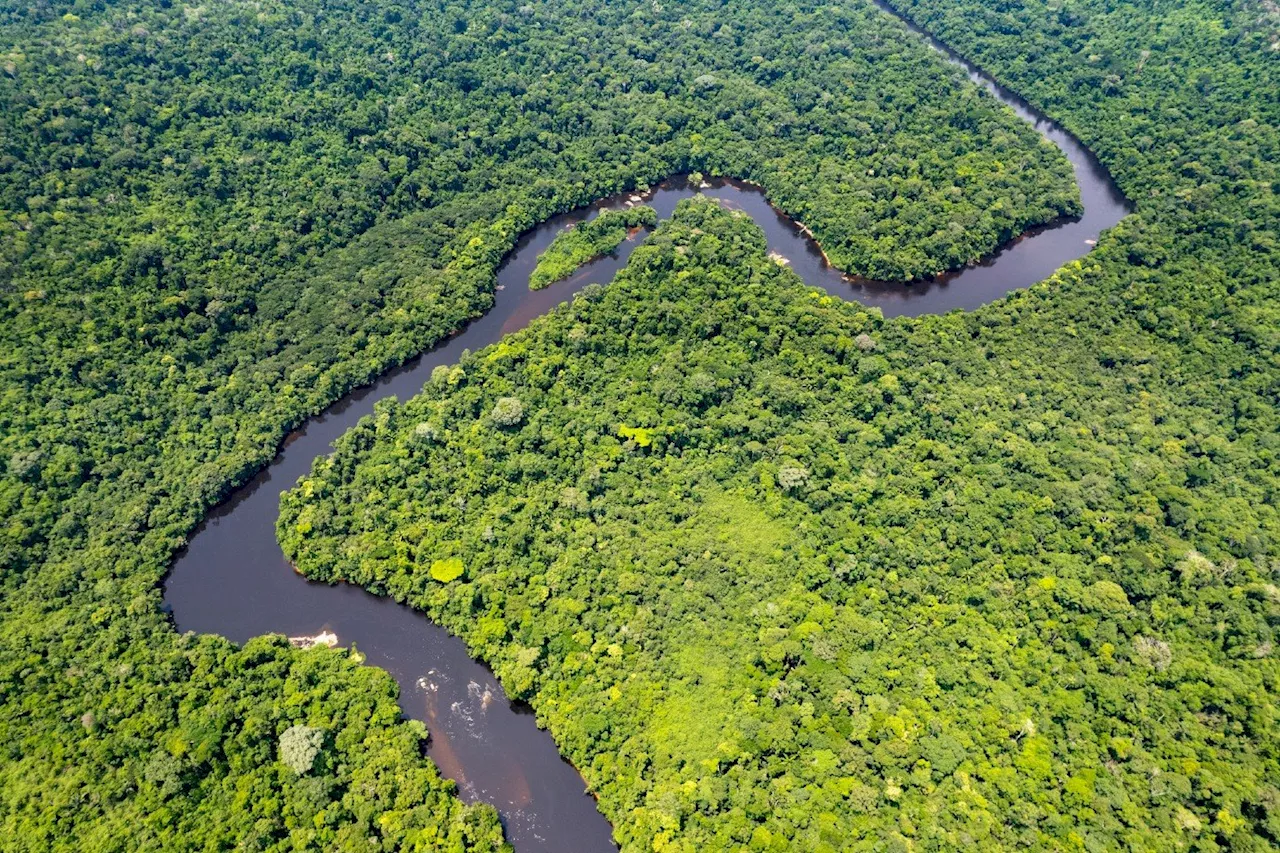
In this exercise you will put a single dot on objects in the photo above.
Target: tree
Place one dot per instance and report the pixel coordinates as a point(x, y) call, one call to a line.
point(299, 746)
point(508, 411)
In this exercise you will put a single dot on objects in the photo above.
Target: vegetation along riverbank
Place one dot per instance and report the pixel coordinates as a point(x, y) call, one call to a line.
point(776, 572)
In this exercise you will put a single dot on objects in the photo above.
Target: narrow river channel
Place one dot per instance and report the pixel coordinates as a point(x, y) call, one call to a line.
point(233, 580)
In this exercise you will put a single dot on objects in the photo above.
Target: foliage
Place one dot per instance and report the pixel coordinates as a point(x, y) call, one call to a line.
point(299, 746)
point(508, 411)
point(641, 436)
point(933, 593)
point(446, 570)
point(586, 241)
point(216, 219)
point(791, 477)
point(196, 764)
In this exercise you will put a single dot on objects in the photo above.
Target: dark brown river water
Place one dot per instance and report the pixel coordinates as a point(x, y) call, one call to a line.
point(232, 578)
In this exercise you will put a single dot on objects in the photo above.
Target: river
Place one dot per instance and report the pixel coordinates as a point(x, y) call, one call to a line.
point(233, 580)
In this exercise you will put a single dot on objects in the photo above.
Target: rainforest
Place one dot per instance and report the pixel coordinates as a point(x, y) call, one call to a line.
point(772, 568)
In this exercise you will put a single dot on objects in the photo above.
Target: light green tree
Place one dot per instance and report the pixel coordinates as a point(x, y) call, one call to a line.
point(299, 746)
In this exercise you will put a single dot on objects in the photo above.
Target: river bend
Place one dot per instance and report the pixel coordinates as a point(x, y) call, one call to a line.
point(233, 580)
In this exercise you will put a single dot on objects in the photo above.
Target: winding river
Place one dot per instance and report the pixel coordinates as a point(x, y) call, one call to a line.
point(233, 580)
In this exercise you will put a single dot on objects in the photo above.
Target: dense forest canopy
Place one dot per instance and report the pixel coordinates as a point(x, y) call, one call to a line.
point(773, 579)
point(1021, 562)
point(584, 241)
point(782, 575)
point(219, 218)
point(304, 206)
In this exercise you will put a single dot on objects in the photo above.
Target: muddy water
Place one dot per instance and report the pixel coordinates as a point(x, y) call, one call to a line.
point(233, 580)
